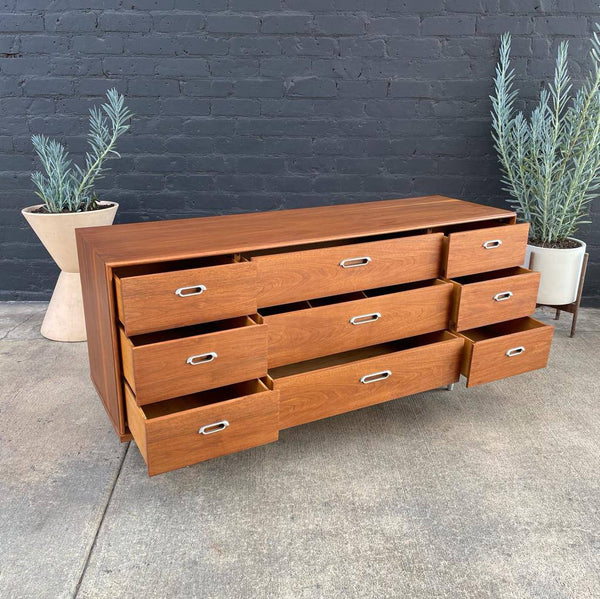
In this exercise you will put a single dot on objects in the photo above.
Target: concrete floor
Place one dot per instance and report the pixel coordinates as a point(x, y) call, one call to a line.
point(488, 492)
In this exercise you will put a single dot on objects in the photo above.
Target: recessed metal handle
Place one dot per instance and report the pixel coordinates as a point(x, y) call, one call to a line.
point(515, 351)
point(492, 244)
point(365, 318)
point(375, 376)
point(500, 297)
point(215, 427)
point(193, 290)
point(354, 262)
point(202, 358)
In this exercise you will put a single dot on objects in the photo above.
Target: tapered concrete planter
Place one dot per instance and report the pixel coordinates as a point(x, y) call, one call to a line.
point(64, 319)
point(560, 271)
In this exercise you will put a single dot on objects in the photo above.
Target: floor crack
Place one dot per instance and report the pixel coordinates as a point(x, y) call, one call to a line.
point(6, 335)
point(104, 511)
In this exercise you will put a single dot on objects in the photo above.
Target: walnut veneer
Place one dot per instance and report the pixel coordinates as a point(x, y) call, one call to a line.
point(207, 336)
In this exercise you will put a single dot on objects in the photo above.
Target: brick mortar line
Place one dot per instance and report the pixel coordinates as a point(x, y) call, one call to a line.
point(445, 47)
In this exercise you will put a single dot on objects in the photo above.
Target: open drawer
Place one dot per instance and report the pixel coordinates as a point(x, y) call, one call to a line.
point(305, 330)
point(335, 384)
point(168, 364)
point(494, 297)
point(161, 296)
point(502, 350)
point(482, 250)
point(290, 276)
point(179, 432)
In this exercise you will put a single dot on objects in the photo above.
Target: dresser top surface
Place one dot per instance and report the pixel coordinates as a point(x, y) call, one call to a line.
point(137, 243)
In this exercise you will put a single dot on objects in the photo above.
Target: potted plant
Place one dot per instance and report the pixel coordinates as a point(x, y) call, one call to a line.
point(551, 167)
point(70, 202)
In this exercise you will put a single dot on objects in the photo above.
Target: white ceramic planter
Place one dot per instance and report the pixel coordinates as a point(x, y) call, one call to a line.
point(64, 320)
point(560, 270)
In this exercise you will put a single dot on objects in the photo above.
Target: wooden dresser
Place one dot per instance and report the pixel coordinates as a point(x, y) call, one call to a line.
point(208, 336)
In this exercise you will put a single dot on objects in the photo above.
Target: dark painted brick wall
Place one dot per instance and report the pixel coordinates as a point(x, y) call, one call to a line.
point(248, 105)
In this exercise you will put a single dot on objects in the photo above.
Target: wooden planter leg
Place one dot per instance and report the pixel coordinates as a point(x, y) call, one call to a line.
point(579, 294)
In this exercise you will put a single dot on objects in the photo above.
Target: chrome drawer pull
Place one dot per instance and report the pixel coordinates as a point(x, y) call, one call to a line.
point(365, 318)
point(201, 358)
point(515, 351)
point(376, 376)
point(354, 262)
point(193, 290)
point(500, 297)
point(492, 243)
point(215, 427)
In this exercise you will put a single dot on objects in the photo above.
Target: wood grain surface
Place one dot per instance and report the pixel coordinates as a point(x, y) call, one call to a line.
point(292, 276)
point(137, 422)
point(308, 333)
point(157, 371)
point(138, 243)
point(466, 254)
point(173, 440)
point(477, 307)
point(102, 334)
point(486, 358)
point(316, 394)
point(148, 302)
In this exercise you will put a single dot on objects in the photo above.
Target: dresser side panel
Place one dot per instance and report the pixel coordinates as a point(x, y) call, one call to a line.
point(100, 324)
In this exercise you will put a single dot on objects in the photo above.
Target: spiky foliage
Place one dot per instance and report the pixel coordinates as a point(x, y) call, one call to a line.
point(551, 161)
point(70, 188)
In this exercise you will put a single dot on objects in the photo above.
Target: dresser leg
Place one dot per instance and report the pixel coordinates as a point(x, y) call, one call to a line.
point(450, 387)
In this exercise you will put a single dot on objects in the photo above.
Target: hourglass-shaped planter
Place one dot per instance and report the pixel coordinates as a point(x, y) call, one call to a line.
point(64, 320)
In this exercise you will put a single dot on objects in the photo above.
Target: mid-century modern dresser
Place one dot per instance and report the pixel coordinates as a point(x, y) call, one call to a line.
point(208, 336)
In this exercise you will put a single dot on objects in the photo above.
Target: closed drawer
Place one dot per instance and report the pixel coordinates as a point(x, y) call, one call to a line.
point(327, 386)
point(503, 350)
point(162, 365)
point(300, 275)
point(194, 428)
point(494, 297)
point(487, 249)
point(332, 325)
point(176, 298)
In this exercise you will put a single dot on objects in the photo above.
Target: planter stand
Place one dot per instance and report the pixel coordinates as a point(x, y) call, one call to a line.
point(572, 308)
